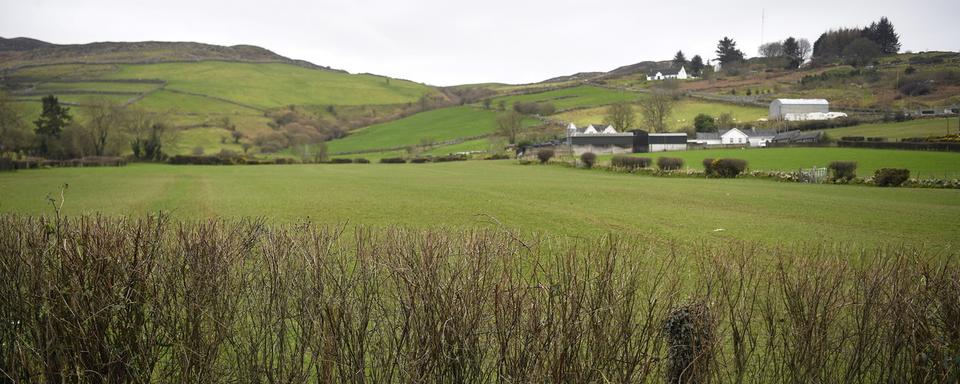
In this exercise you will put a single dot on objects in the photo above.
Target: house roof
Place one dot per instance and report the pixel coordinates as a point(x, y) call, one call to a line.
point(803, 101)
point(665, 72)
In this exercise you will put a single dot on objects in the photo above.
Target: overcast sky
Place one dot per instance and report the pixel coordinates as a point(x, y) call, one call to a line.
point(446, 42)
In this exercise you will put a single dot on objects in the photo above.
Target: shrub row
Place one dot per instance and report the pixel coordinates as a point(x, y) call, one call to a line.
point(393, 160)
point(7, 164)
point(890, 177)
point(630, 162)
point(920, 146)
point(150, 300)
point(811, 125)
point(842, 170)
point(225, 160)
point(669, 163)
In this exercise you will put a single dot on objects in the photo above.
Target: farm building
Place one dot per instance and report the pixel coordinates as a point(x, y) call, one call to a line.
point(598, 138)
point(799, 109)
point(795, 136)
point(746, 137)
point(671, 73)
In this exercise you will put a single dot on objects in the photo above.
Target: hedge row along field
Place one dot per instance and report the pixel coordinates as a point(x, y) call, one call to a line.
point(93, 299)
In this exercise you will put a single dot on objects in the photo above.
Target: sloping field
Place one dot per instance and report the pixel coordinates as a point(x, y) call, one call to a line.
point(915, 128)
point(531, 198)
point(431, 126)
point(682, 116)
point(576, 97)
point(274, 84)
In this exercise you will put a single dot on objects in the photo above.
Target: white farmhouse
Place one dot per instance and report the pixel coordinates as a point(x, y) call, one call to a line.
point(736, 137)
point(669, 74)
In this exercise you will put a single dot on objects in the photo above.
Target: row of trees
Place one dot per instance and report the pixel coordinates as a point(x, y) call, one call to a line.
point(857, 46)
point(794, 51)
point(695, 64)
point(105, 130)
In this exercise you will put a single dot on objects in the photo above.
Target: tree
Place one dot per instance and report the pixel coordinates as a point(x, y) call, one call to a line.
point(696, 65)
point(791, 50)
point(861, 52)
point(53, 119)
point(508, 125)
point(770, 50)
point(725, 121)
point(104, 118)
point(14, 133)
point(727, 51)
point(883, 34)
point(656, 110)
point(149, 134)
point(486, 103)
point(620, 116)
point(704, 123)
point(679, 60)
point(805, 49)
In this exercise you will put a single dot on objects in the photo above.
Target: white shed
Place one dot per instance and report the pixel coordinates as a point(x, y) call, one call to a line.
point(781, 109)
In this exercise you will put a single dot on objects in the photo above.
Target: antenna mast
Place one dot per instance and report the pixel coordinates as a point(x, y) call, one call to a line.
point(763, 15)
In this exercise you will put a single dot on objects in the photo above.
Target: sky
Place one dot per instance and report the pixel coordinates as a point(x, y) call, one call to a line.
point(450, 42)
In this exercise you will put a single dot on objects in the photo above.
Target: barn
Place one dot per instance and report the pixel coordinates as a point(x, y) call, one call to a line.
point(606, 140)
point(796, 109)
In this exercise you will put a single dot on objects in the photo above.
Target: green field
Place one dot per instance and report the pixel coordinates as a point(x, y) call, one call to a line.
point(101, 86)
point(914, 128)
point(431, 126)
point(576, 97)
point(530, 198)
point(682, 116)
point(274, 85)
point(920, 163)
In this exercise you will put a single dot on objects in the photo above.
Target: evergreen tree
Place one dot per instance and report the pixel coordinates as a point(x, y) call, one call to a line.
point(679, 60)
point(885, 36)
point(727, 51)
point(791, 50)
point(51, 122)
point(696, 65)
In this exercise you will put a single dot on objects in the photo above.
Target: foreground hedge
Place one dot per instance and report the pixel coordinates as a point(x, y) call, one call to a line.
point(156, 301)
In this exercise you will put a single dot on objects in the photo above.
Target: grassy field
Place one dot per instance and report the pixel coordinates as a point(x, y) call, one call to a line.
point(437, 125)
point(189, 104)
point(920, 163)
point(914, 128)
point(576, 97)
point(275, 85)
point(682, 116)
point(101, 86)
point(530, 198)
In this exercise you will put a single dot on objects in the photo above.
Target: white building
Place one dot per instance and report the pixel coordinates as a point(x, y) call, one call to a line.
point(669, 74)
point(735, 136)
point(801, 109)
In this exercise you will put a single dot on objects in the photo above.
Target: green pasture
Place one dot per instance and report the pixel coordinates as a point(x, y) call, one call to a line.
point(425, 127)
point(575, 97)
point(914, 128)
point(274, 84)
point(100, 86)
point(920, 163)
point(682, 117)
point(501, 194)
point(168, 101)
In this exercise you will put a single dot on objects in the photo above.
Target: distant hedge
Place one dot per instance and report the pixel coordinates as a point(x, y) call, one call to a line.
point(588, 159)
point(630, 162)
point(669, 163)
point(842, 170)
point(890, 177)
point(728, 168)
point(393, 160)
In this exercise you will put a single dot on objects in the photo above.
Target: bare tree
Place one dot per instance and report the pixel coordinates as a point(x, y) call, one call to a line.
point(656, 110)
point(774, 49)
point(508, 125)
point(104, 119)
point(620, 116)
point(14, 133)
point(805, 49)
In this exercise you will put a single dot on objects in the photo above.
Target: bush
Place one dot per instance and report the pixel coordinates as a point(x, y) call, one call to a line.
point(393, 160)
point(340, 161)
point(420, 160)
point(630, 162)
point(195, 160)
point(915, 88)
point(7, 164)
point(361, 160)
point(498, 156)
point(728, 167)
point(842, 170)
point(853, 138)
point(669, 163)
point(545, 155)
point(588, 159)
point(448, 158)
point(708, 166)
point(890, 177)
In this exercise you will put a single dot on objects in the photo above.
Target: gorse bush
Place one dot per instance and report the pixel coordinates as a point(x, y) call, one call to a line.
point(725, 167)
point(669, 163)
point(842, 170)
point(151, 300)
point(588, 159)
point(544, 155)
point(890, 177)
point(630, 162)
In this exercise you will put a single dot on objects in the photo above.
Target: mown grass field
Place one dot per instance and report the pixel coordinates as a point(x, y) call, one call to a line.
point(681, 118)
point(914, 128)
point(532, 198)
point(575, 97)
point(920, 163)
point(431, 126)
